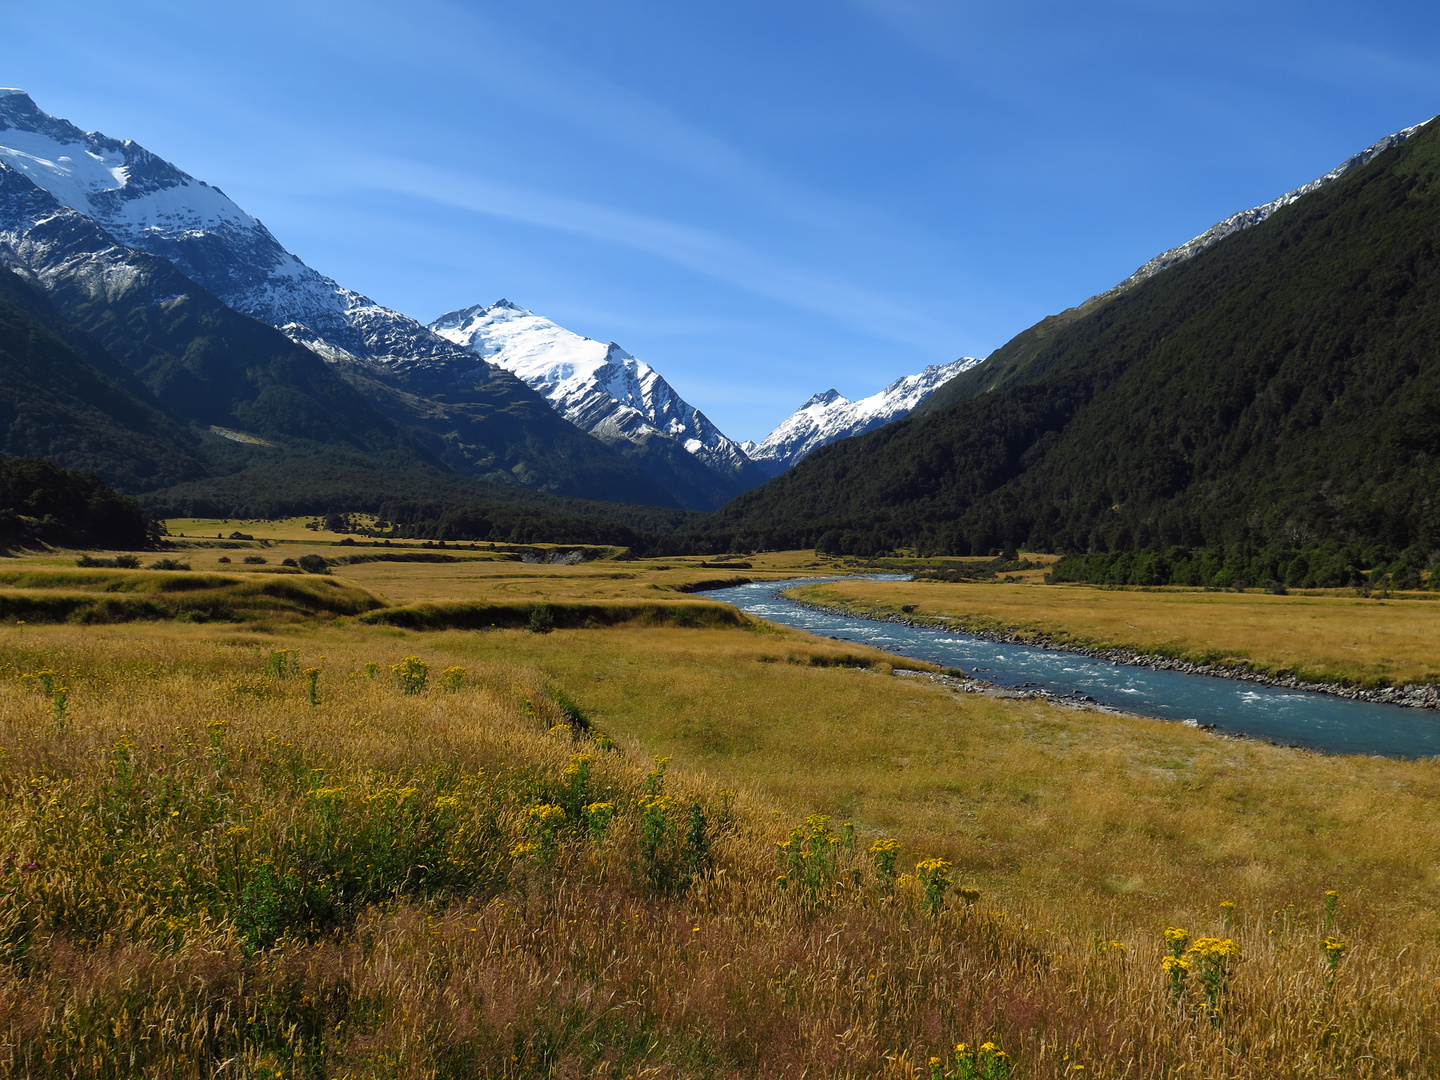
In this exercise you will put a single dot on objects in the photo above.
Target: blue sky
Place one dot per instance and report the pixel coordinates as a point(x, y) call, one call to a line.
point(762, 199)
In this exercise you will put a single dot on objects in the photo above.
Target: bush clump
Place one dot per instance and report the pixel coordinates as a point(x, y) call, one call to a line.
point(119, 562)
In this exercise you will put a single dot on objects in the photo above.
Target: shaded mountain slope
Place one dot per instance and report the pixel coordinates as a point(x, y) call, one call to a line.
point(1010, 363)
point(200, 359)
point(1283, 384)
point(64, 398)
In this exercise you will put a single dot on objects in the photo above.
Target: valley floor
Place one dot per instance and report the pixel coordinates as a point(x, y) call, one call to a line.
point(241, 847)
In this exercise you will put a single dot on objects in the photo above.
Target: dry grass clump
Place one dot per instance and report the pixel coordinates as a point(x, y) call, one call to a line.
point(1319, 637)
point(243, 860)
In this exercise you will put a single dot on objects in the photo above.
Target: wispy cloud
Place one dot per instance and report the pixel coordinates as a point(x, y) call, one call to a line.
point(699, 250)
point(537, 79)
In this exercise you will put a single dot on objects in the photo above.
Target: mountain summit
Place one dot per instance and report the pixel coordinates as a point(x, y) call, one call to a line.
point(606, 391)
point(147, 203)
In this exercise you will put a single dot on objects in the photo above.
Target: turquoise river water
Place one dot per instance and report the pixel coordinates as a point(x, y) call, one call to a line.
point(1321, 722)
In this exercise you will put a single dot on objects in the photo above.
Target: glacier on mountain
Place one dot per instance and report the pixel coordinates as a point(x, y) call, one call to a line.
point(828, 417)
point(597, 386)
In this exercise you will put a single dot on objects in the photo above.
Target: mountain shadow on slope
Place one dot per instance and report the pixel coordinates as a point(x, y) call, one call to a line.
point(480, 421)
point(1281, 386)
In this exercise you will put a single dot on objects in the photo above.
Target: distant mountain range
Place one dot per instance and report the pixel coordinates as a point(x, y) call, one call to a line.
point(1275, 381)
point(186, 293)
point(178, 283)
point(1274, 377)
point(829, 417)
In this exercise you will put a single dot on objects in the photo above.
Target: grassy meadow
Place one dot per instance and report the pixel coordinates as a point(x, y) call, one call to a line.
point(1330, 636)
point(272, 844)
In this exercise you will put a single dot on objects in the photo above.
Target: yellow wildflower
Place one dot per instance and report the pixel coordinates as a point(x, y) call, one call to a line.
point(1208, 948)
point(578, 764)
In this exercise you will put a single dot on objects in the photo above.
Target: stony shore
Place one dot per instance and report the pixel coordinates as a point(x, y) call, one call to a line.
point(1417, 696)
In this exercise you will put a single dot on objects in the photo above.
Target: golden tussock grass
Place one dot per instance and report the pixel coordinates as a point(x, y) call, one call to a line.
point(205, 874)
point(47, 594)
point(1322, 637)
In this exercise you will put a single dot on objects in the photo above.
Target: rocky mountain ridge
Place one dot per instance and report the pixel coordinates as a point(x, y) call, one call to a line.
point(79, 212)
point(829, 416)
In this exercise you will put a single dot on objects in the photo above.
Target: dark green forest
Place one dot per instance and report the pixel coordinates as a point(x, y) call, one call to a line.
point(640, 528)
point(64, 398)
point(43, 503)
point(1365, 566)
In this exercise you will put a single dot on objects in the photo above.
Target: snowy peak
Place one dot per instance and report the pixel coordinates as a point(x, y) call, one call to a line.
point(596, 385)
point(147, 203)
point(828, 417)
point(829, 397)
point(120, 184)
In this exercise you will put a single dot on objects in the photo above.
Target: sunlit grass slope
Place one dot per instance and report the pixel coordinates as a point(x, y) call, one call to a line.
point(1322, 637)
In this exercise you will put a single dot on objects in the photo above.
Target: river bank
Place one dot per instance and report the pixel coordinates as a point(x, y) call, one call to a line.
point(1414, 695)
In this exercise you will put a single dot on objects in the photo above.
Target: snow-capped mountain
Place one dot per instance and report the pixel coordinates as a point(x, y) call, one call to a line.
point(200, 359)
point(828, 417)
point(597, 386)
point(147, 203)
point(121, 203)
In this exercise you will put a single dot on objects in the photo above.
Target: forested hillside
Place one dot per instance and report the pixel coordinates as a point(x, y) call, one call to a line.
point(41, 503)
point(1282, 387)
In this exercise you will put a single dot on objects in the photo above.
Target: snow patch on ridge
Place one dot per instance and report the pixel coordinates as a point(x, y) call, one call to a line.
point(147, 203)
